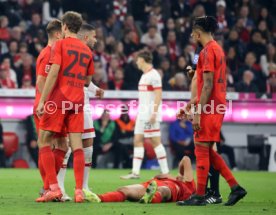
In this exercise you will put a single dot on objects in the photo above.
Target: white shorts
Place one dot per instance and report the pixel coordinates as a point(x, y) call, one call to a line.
point(147, 129)
point(89, 131)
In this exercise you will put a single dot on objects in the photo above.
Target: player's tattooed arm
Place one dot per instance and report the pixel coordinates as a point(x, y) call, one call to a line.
point(208, 80)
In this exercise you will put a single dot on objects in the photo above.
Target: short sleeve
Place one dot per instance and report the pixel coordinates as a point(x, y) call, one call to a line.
point(156, 81)
point(91, 67)
point(208, 61)
point(44, 67)
point(55, 57)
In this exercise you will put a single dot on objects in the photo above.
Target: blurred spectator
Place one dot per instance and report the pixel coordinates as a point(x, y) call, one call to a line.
point(99, 78)
point(173, 46)
point(180, 8)
point(234, 41)
point(120, 9)
point(130, 42)
point(230, 81)
point(4, 31)
point(105, 131)
point(160, 53)
point(257, 45)
point(35, 27)
point(262, 28)
point(31, 138)
point(2, 152)
point(268, 60)
point(30, 7)
point(222, 18)
point(247, 85)
point(156, 17)
point(124, 145)
point(27, 68)
point(117, 83)
point(179, 82)
point(9, 72)
point(181, 139)
point(140, 9)
point(12, 54)
point(271, 85)
point(246, 20)
point(265, 16)
point(111, 27)
point(223, 148)
point(112, 67)
point(5, 81)
point(181, 65)
point(132, 75)
point(165, 84)
point(16, 34)
point(51, 9)
point(199, 11)
point(27, 82)
point(233, 62)
point(129, 24)
point(152, 38)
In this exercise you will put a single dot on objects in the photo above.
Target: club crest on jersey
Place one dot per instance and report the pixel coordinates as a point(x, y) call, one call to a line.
point(47, 68)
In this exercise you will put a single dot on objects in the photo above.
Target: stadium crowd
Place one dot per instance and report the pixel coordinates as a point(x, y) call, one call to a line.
point(246, 30)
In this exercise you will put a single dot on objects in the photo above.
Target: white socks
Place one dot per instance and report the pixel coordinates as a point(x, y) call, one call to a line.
point(88, 152)
point(162, 158)
point(62, 171)
point(138, 157)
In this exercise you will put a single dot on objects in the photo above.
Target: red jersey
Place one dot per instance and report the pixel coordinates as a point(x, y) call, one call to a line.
point(212, 59)
point(76, 62)
point(42, 68)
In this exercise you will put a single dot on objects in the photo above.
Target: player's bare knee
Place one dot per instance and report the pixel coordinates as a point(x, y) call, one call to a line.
point(87, 142)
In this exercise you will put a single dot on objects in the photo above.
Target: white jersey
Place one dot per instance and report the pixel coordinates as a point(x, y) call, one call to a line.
point(149, 82)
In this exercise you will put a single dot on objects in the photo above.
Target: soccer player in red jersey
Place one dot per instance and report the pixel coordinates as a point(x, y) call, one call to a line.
point(207, 122)
point(42, 68)
point(162, 188)
point(61, 102)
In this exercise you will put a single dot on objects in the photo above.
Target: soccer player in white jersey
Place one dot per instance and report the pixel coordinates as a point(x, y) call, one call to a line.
point(149, 116)
point(86, 34)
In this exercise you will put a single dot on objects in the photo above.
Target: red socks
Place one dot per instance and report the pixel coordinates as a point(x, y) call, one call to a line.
point(78, 164)
point(59, 157)
point(42, 173)
point(219, 165)
point(157, 198)
point(48, 162)
point(202, 167)
point(116, 196)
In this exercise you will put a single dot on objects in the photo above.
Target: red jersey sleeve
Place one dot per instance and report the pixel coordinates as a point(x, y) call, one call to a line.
point(91, 67)
point(208, 60)
point(43, 67)
point(56, 53)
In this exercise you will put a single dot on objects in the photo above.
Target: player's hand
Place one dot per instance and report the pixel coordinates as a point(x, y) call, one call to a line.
point(190, 72)
point(40, 109)
point(106, 147)
point(100, 93)
point(33, 144)
point(196, 122)
point(152, 118)
point(182, 114)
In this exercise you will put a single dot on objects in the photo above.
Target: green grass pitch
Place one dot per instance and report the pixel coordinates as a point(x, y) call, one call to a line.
point(19, 188)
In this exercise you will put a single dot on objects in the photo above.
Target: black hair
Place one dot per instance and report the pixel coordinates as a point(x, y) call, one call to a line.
point(206, 23)
point(87, 27)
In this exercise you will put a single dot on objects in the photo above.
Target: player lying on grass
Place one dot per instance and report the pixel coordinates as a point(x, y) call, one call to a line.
point(162, 188)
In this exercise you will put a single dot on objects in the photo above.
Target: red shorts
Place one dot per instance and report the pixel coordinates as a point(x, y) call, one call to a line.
point(210, 128)
point(58, 121)
point(63, 133)
point(171, 184)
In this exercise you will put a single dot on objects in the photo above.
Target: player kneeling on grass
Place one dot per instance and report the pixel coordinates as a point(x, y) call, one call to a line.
point(162, 188)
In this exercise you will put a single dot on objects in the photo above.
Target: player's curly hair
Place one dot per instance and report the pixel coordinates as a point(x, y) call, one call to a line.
point(73, 21)
point(206, 24)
